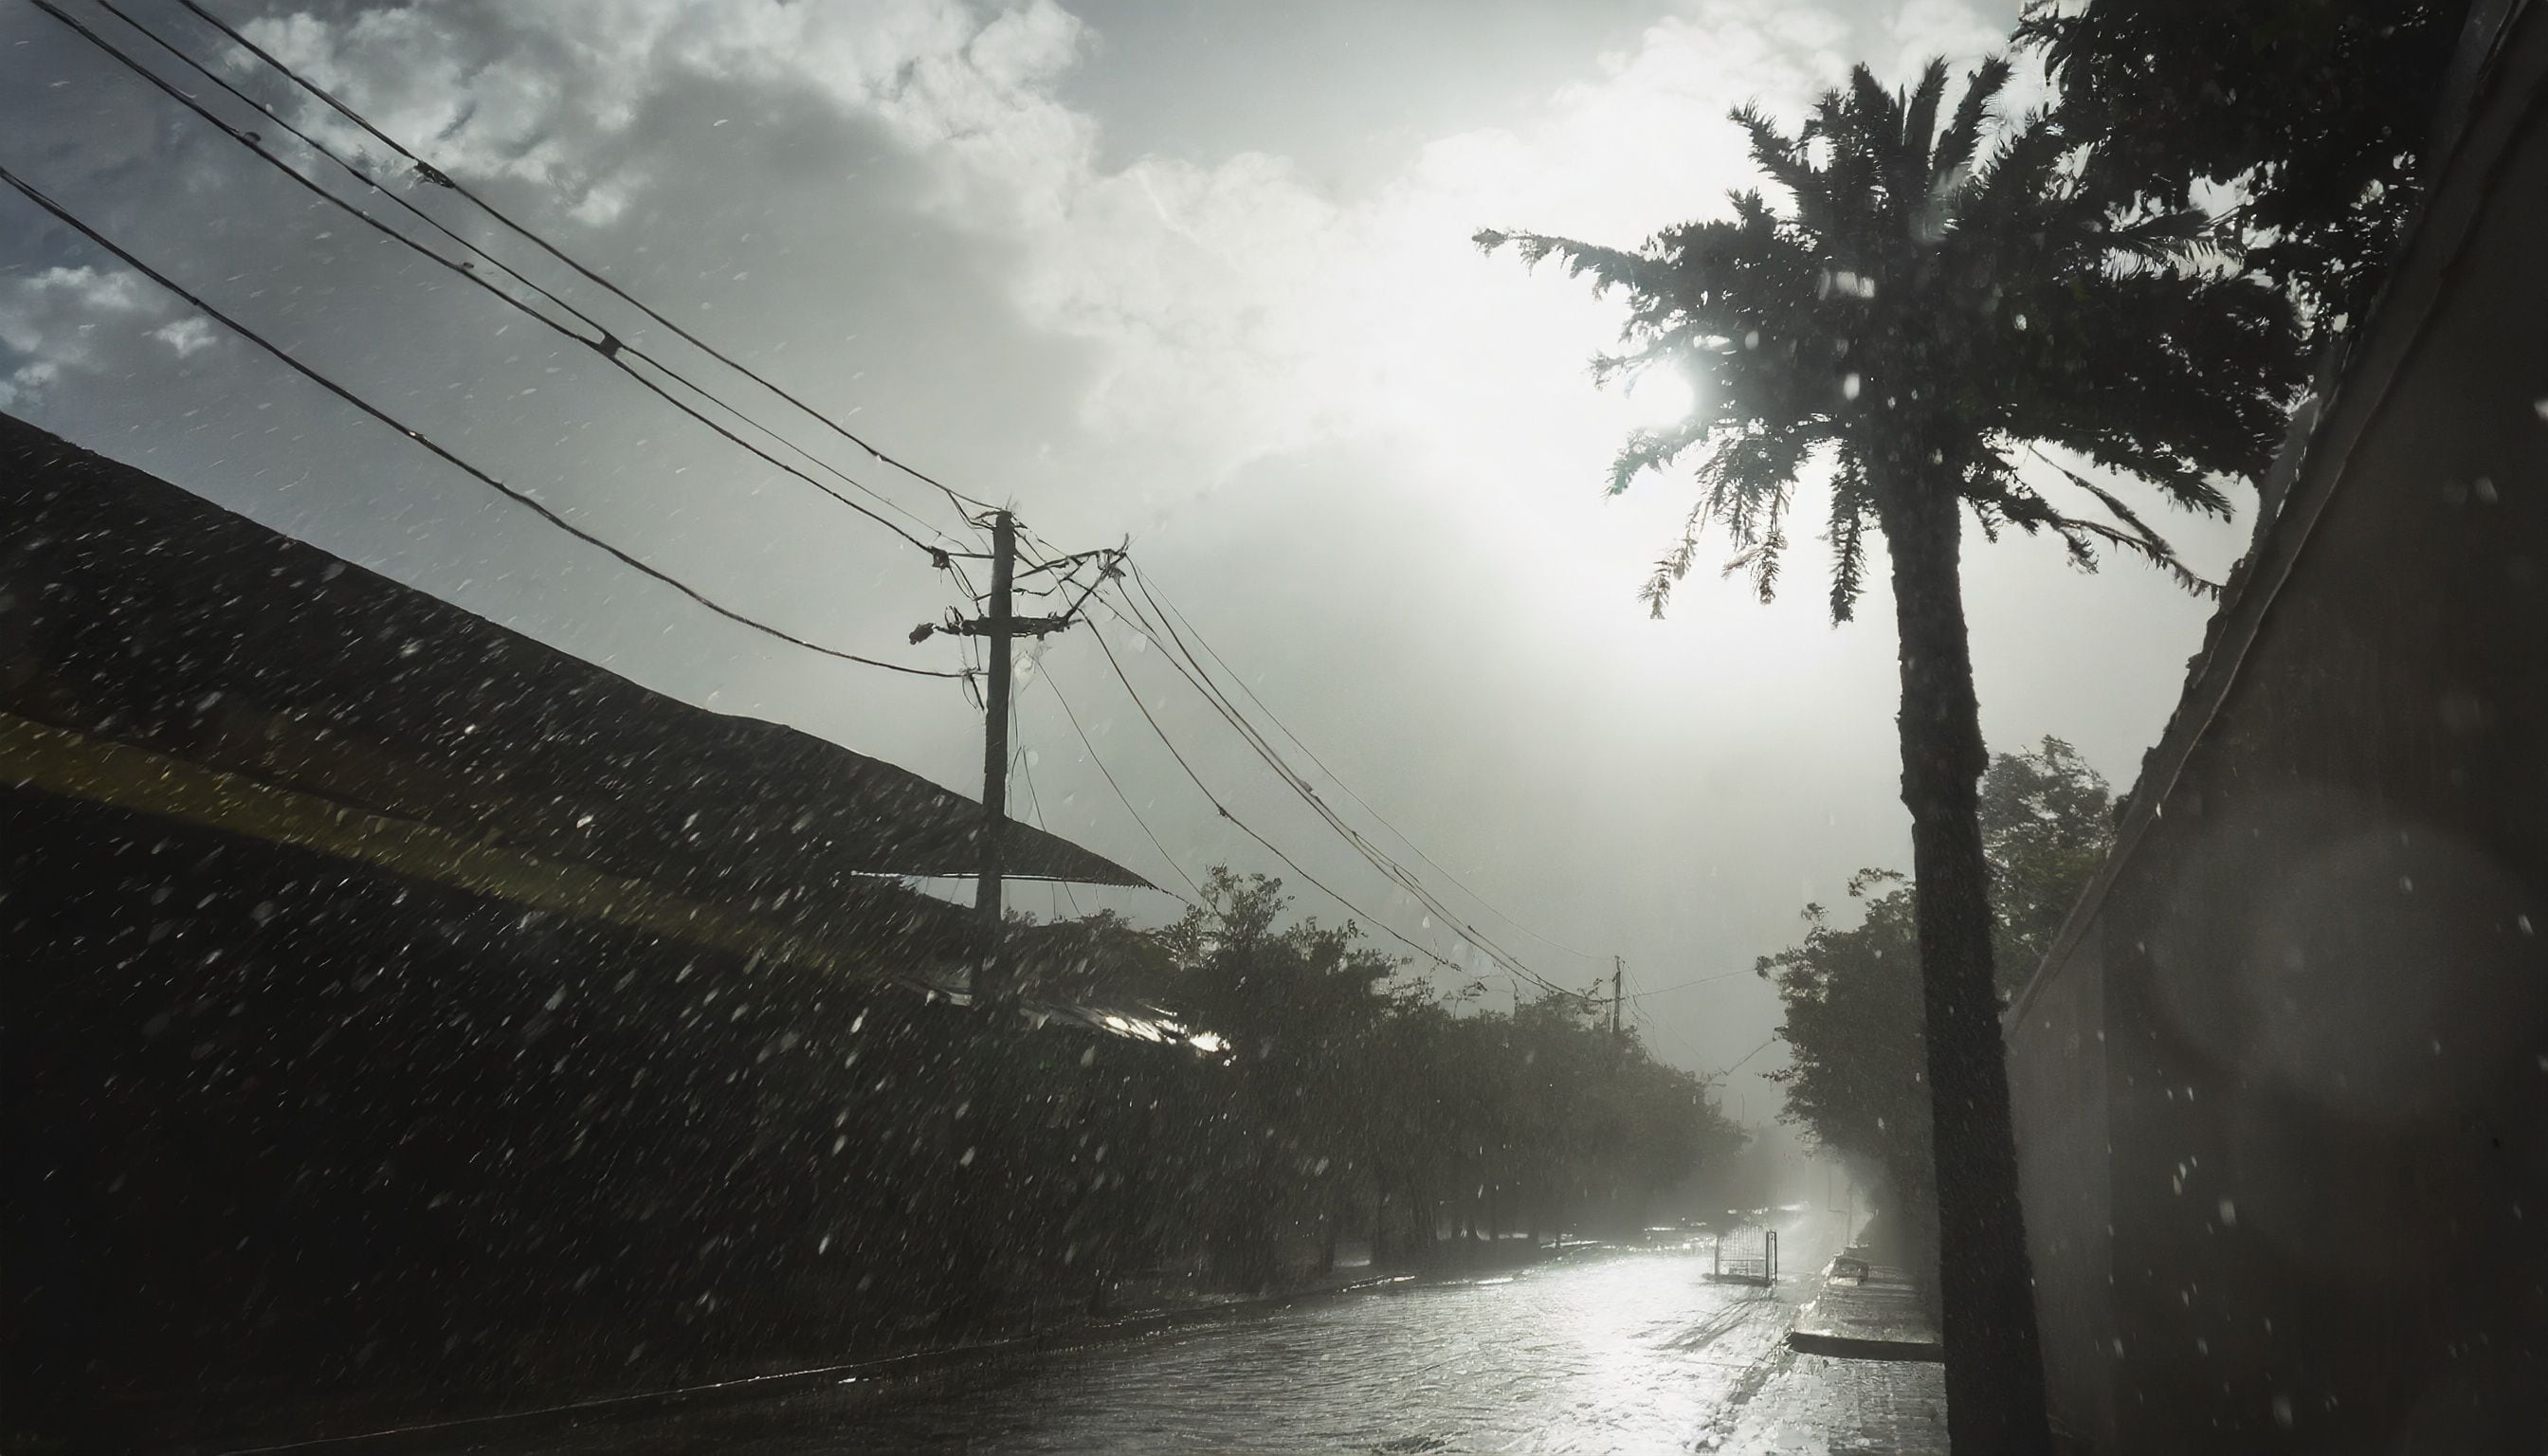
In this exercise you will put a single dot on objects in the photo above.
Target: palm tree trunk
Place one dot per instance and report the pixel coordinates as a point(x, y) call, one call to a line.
point(1994, 1369)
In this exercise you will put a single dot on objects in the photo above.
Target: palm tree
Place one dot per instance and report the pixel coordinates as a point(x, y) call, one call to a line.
point(1932, 311)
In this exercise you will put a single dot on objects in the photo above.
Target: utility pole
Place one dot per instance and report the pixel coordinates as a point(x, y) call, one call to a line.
point(995, 762)
point(1002, 627)
point(1619, 973)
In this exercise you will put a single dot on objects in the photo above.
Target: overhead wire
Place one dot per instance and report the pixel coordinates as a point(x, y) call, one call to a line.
point(1244, 828)
point(440, 178)
point(1729, 1068)
point(1300, 784)
point(613, 350)
point(1695, 981)
point(1389, 869)
point(1197, 677)
point(1166, 607)
point(1026, 767)
point(306, 371)
point(1109, 775)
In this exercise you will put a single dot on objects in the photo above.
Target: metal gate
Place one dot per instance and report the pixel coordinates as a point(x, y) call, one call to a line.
point(1745, 1255)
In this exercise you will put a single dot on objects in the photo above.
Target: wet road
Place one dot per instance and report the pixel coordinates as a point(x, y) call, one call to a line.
point(1603, 1351)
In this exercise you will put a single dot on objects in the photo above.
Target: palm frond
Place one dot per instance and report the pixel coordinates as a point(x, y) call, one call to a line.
point(1961, 142)
point(1609, 267)
point(1780, 156)
point(1652, 449)
point(1675, 562)
point(2031, 512)
point(1848, 567)
point(1911, 145)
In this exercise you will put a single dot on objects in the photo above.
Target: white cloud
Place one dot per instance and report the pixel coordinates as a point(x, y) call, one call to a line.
point(55, 306)
point(63, 320)
point(186, 335)
point(537, 93)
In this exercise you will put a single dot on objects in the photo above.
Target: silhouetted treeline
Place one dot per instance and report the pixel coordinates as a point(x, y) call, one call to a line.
point(297, 1148)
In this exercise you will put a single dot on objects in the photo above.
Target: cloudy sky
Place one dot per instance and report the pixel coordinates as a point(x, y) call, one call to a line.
point(1193, 272)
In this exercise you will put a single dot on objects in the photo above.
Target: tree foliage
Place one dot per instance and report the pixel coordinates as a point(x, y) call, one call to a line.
point(1939, 299)
point(2317, 112)
point(1348, 1099)
point(1852, 992)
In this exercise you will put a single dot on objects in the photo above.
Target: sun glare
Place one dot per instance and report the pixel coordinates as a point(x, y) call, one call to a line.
point(1660, 397)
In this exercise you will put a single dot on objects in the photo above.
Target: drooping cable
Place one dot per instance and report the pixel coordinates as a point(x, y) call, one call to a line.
point(1167, 608)
point(1398, 873)
point(1244, 828)
point(1300, 784)
point(1026, 770)
point(1109, 775)
point(1725, 975)
point(437, 177)
point(613, 350)
point(294, 363)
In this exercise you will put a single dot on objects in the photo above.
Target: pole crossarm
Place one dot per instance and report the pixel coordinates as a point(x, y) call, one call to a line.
point(1001, 627)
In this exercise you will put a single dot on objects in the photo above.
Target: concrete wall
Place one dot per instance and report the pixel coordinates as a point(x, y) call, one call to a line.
point(2320, 960)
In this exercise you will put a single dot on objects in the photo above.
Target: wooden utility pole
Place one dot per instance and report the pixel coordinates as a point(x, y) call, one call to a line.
point(1000, 626)
point(1619, 973)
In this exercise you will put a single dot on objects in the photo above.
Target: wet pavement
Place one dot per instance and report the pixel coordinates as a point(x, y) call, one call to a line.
point(1602, 1350)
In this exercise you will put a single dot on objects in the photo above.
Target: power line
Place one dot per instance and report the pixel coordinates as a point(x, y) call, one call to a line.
point(1167, 608)
point(1389, 869)
point(69, 219)
point(1242, 825)
point(1026, 768)
point(437, 177)
point(613, 352)
point(1292, 778)
point(1301, 785)
point(1729, 1068)
point(1686, 985)
point(1120, 796)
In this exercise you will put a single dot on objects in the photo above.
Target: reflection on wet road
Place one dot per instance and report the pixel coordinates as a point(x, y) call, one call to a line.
point(1602, 1351)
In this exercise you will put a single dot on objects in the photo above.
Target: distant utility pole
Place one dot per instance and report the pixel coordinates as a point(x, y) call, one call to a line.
point(1002, 628)
point(1618, 975)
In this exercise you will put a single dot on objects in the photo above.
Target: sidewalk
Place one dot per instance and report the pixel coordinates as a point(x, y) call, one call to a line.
point(1820, 1406)
point(1876, 1317)
point(1859, 1376)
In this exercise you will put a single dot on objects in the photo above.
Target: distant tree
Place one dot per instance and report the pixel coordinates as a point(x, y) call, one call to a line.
point(1856, 1069)
point(2046, 825)
point(1296, 1004)
point(1855, 1074)
point(2319, 113)
point(1927, 311)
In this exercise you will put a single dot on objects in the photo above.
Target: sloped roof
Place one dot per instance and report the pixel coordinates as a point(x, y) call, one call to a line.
point(137, 615)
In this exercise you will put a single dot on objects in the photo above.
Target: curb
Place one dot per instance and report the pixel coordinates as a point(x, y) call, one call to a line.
point(1806, 1342)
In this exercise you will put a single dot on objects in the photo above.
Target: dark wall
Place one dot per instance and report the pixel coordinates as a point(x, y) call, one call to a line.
point(2320, 969)
point(2057, 1066)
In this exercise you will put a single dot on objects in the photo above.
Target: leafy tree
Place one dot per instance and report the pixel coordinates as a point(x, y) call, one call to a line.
point(1295, 1005)
point(1853, 1026)
point(1928, 309)
point(2316, 112)
point(2046, 825)
point(1854, 1076)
